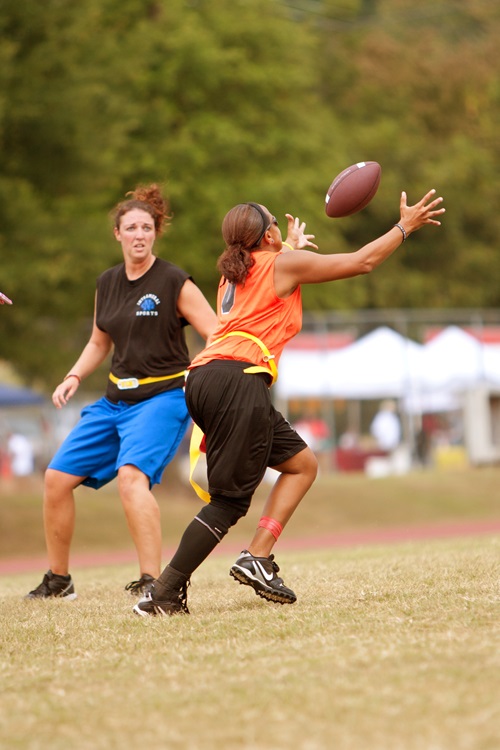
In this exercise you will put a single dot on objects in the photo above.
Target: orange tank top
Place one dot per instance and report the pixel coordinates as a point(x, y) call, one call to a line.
point(256, 309)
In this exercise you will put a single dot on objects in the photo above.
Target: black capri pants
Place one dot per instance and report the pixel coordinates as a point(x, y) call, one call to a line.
point(244, 433)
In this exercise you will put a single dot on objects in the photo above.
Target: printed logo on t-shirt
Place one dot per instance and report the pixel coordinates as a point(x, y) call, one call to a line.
point(147, 305)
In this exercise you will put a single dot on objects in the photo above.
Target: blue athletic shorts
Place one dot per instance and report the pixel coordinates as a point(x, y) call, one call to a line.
point(111, 435)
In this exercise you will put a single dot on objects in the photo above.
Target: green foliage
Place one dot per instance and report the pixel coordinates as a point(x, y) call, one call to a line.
point(422, 98)
point(234, 100)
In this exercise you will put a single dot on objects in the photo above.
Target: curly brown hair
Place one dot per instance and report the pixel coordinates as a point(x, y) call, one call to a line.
point(149, 198)
point(242, 229)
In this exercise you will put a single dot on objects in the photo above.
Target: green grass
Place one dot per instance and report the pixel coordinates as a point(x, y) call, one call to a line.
point(388, 648)
point(335, 503)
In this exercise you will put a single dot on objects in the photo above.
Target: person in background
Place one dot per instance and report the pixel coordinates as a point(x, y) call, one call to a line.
point(141, 308)
point(227, 391)
point(386, 427)
point(21, 455)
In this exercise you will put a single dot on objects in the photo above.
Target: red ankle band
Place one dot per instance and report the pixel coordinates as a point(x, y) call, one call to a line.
point(271, 525)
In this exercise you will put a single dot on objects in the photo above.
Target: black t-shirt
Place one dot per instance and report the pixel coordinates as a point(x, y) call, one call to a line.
point(141, 318)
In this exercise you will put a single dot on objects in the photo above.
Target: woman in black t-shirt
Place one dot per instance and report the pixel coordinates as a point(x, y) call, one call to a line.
point(141, 308)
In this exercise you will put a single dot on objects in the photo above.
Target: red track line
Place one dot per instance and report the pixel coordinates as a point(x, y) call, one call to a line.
point(343, 539)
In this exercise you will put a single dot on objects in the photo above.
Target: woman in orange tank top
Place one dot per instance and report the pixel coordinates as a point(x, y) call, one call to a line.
point(227, 391)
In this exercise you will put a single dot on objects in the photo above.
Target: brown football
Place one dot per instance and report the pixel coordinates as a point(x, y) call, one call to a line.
point(352, 189)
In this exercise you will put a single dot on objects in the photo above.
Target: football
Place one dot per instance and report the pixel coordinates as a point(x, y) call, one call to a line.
point(352, 189)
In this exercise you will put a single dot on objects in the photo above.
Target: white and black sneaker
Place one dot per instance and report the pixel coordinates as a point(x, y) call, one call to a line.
point(166, 596)
point(142, 586)
point(54, 586)
point(261, 574)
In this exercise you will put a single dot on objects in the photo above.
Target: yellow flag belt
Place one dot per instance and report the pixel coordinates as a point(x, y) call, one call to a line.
point(125, 384)
point(197, 434)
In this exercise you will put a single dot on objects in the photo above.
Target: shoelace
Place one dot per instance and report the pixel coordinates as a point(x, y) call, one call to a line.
point(183, 596)
point(274, 564)
point(136, 586)
point(275, 569)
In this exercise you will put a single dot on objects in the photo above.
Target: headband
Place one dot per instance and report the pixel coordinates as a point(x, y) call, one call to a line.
point(265, 221)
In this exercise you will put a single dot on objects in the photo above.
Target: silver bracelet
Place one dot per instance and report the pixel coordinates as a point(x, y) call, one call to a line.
point(403, 230)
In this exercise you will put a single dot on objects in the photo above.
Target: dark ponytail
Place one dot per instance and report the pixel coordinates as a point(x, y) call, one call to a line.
point(242, 229)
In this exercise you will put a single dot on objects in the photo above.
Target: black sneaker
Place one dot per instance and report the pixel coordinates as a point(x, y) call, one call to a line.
point(260, 573)
point(170, 598)
point(142, 586)
point(53, 586)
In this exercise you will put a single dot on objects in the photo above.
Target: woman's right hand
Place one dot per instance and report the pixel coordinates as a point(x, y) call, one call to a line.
point(296, 236)
point(65, 391)
point(423, 212)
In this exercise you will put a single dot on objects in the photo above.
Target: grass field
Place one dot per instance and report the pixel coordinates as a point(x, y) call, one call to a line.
point(388, 647)
point(336, 503)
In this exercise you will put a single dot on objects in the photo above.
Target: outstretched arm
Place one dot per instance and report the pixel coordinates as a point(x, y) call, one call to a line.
point(299, 267)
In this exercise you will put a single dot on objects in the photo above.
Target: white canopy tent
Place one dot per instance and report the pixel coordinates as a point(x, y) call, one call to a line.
point(384, 364)
point(381, 364)
point(439, 376)
point(455, 361)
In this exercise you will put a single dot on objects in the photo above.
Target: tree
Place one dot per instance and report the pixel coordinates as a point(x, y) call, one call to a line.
point(417, 88)
point(105, 94)
point(225, 101)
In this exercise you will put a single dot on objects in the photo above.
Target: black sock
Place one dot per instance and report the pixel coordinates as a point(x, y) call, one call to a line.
point(195, 546)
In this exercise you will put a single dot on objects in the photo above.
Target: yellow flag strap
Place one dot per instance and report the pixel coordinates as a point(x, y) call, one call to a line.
point(125, 384)
point(268, 357)
point(194, 455)
point(197, 434)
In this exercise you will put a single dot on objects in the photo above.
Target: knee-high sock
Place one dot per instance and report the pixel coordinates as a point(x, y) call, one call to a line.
point(196, 544)
point(206, 530)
